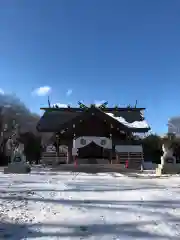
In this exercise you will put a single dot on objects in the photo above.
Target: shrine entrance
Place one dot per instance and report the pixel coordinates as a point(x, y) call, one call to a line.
point(93, 148)
point(92, 151)
point(91, 135)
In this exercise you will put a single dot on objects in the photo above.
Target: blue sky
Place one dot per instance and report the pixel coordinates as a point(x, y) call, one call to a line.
point(116, 50)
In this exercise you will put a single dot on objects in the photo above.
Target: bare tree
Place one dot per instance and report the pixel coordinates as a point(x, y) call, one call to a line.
point(14, 113)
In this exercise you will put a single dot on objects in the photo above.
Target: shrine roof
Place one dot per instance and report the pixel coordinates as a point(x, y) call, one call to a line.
point(52, 120)
point(107, 109)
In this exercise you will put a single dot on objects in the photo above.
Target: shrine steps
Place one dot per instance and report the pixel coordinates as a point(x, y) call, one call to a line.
point(134, 159)
point(95, 168)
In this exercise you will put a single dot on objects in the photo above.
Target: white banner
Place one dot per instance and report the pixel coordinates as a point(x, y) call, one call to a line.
point(100, 141)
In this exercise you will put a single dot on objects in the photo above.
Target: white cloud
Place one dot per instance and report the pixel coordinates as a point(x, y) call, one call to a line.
point(42, 91)
point(61, 105)
point(1, 91)
point(69, 92)
point(98, 103)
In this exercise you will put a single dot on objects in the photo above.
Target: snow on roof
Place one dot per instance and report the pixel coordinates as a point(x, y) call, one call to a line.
point(136, 124)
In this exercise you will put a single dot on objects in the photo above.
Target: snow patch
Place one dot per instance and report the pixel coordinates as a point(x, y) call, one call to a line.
point(55, 205)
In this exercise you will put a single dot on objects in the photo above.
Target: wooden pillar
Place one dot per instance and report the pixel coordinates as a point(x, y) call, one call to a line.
point(73, 142)
point(57, 144)
point(110, 154)
point(113, 149)
point(69, 155)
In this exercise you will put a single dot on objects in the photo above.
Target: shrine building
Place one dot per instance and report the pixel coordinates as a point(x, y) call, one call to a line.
point(102, 132)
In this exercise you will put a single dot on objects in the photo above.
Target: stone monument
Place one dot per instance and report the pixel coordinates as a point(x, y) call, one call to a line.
point(18, 161)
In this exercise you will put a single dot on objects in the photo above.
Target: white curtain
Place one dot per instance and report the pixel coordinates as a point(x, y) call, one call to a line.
point(103, 142)
point(100, 141)
point(82, 142)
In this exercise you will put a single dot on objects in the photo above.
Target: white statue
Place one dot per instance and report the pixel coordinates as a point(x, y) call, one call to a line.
point(167, 155)
point(18, 161)
point(18, 154)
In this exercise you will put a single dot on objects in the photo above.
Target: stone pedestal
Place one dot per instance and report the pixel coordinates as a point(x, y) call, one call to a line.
point(17, 168)
point(168, 169)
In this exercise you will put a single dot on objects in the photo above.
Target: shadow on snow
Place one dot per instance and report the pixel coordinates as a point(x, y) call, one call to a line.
point(125, 230)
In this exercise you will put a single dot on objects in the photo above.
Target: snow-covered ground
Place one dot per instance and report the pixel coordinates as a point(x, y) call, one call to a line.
point(60, 205)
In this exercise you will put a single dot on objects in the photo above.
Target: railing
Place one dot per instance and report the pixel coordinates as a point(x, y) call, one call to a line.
point(50, 158)
point(134, 159)
point(123, 156)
